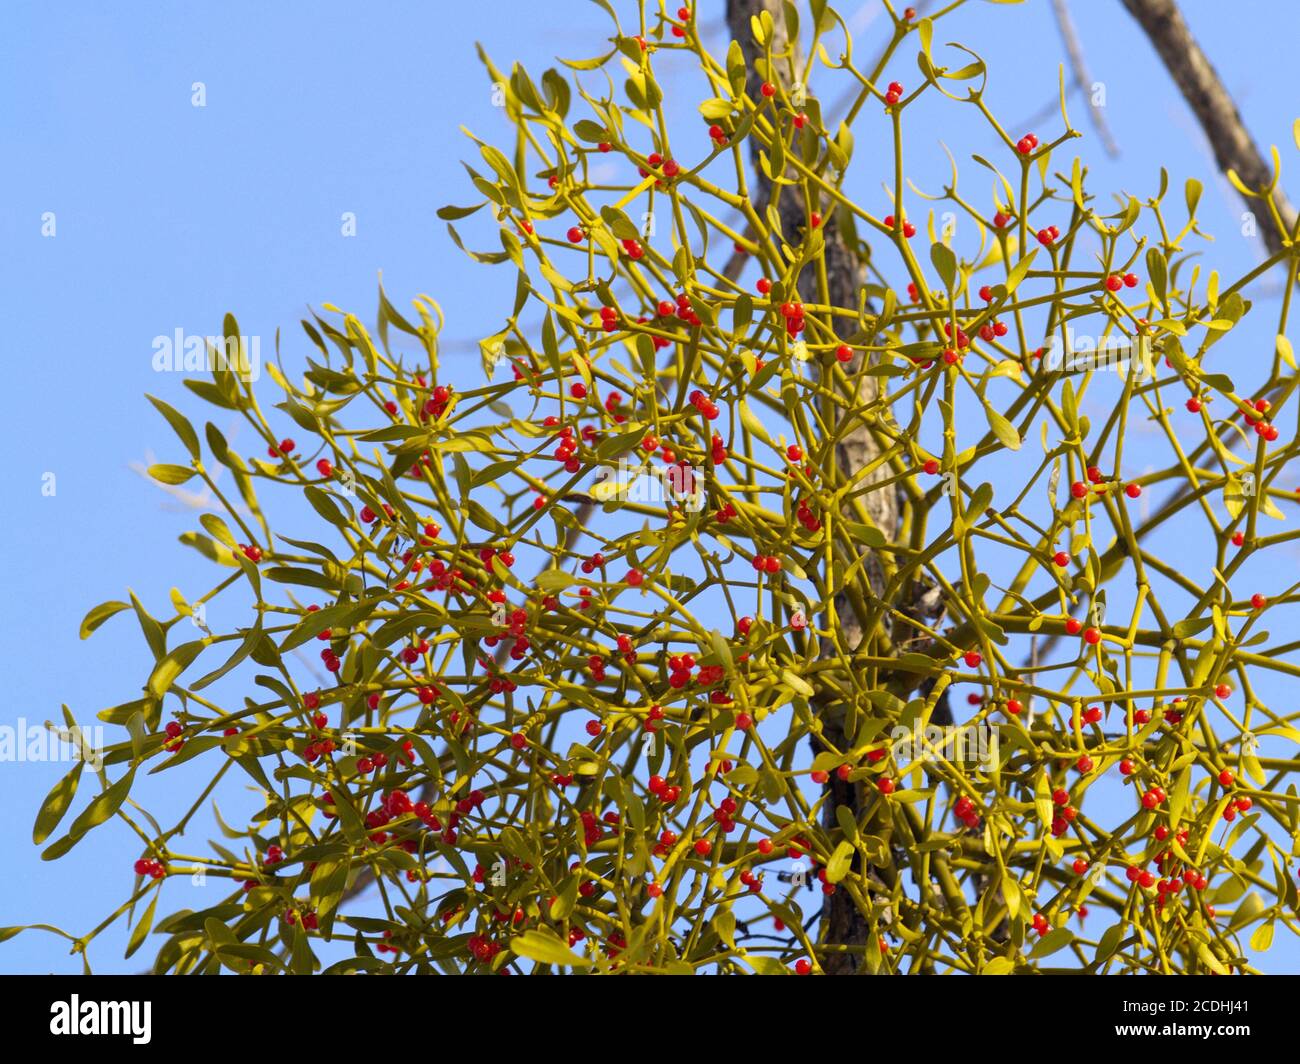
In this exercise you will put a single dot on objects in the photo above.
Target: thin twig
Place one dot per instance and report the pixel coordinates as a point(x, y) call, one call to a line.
point(1079, 67)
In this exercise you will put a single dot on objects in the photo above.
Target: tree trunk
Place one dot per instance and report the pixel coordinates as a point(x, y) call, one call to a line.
point(843, 923)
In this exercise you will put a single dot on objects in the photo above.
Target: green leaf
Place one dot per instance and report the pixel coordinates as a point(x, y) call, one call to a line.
point(945, 262)
point(101, 809)
point(1017, 274)
point(100, 614)
point(544, 947)
point(838, 866)
point(179, 425)
point(141, 930)
point(564, 902)
point(170, 474)
point(1051, 942)
point(1011, 893)
point(218, 529)
point(555, 580)
point(1003, 429)
point(56, 804)
point(170, 667)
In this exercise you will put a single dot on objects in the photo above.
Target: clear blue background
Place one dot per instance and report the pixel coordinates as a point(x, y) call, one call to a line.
point(170, 215)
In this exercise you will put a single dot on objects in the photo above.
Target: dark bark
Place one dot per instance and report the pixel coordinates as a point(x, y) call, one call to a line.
point(843, 923)
point(1215, 110)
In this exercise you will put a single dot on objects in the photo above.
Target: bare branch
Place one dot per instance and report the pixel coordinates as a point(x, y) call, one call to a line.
point(1082, 79)
point(1234, 149)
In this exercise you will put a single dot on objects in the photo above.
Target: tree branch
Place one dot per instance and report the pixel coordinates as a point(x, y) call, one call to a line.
point(1202, 88)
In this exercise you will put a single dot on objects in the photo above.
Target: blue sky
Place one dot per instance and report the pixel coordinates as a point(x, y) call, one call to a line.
point(169, 215)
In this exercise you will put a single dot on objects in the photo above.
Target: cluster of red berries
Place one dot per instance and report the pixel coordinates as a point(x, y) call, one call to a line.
point(794, 320)
point(436, 405)
point(1026, 144)
point(724, 813)
point(668, 794)
point(893, 93)
point(321, 747)
point(964, 810)
point(806, 517)
point(567, 449)
point(146, 866)
point(680, 669)
point(1253, 413)
point(1065, 812)
point(704, 405)
point(909, 230)
point(173, 731)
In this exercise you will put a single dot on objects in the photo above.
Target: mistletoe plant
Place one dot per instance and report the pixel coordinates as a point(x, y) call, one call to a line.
point(638, 649)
